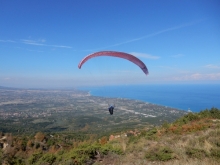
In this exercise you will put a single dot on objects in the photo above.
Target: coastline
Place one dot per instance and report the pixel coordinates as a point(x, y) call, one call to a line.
point(183, 97)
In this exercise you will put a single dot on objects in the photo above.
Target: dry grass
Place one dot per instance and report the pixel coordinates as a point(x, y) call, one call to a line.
point(188, 147)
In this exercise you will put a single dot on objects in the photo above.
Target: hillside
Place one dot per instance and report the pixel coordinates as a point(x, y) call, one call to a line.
point(192, 139)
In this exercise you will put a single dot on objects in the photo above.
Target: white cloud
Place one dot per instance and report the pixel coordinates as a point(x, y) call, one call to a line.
point(212, 66)
point(7, 41)
point(144, 55)
point(197, 76)
point(150, 35)
point(7, 78)
point(41, 43)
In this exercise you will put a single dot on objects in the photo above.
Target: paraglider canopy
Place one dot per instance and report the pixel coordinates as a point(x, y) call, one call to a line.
point(123, 55)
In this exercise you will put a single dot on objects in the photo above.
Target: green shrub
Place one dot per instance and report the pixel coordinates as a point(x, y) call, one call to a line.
point(196, 153)
point(51, 142)
point(160, 154)
point(215, 113)
point(86, 152)
point(47, 158)
point(215, 153)
point(187, 118)
point(212, 113)
point(151, 134)
point(109, 148)
point(133, 139)
point(34, 157)
point(15, 161)
point(165, 125)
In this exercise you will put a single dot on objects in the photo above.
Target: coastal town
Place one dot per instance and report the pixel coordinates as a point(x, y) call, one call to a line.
point(59, 110)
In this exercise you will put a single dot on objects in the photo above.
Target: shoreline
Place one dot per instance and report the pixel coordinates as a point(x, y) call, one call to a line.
point(185, 97)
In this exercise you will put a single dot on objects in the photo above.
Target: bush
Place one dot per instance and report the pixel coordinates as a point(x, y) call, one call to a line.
point(215, 113)
point(160, 154)
point(215, 153)
point(15, 161)
point(151, 134)
point(47, 158)
point(109, 148)
point(165, 125)
point(187, 118)
point(212, 113)
point(34, 157)
point(133, 139)
point(87, 152)
point(196, 153)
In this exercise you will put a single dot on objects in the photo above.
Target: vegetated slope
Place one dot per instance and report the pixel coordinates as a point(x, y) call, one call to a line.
point(192, 139)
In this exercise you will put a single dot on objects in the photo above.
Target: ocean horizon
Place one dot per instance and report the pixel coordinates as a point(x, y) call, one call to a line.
point(193, 97)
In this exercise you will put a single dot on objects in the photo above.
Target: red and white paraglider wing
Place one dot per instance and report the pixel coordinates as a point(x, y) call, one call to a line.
point(127, 56)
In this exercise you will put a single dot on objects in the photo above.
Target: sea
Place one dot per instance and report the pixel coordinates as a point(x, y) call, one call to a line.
point(188, 97)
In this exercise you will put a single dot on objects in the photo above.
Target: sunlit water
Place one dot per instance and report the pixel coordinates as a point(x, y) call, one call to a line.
point(184, 97)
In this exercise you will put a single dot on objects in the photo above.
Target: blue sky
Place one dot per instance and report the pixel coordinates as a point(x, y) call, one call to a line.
point(42, 42)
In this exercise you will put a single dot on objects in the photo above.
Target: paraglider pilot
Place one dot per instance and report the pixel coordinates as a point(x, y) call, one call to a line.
point(111, 108)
